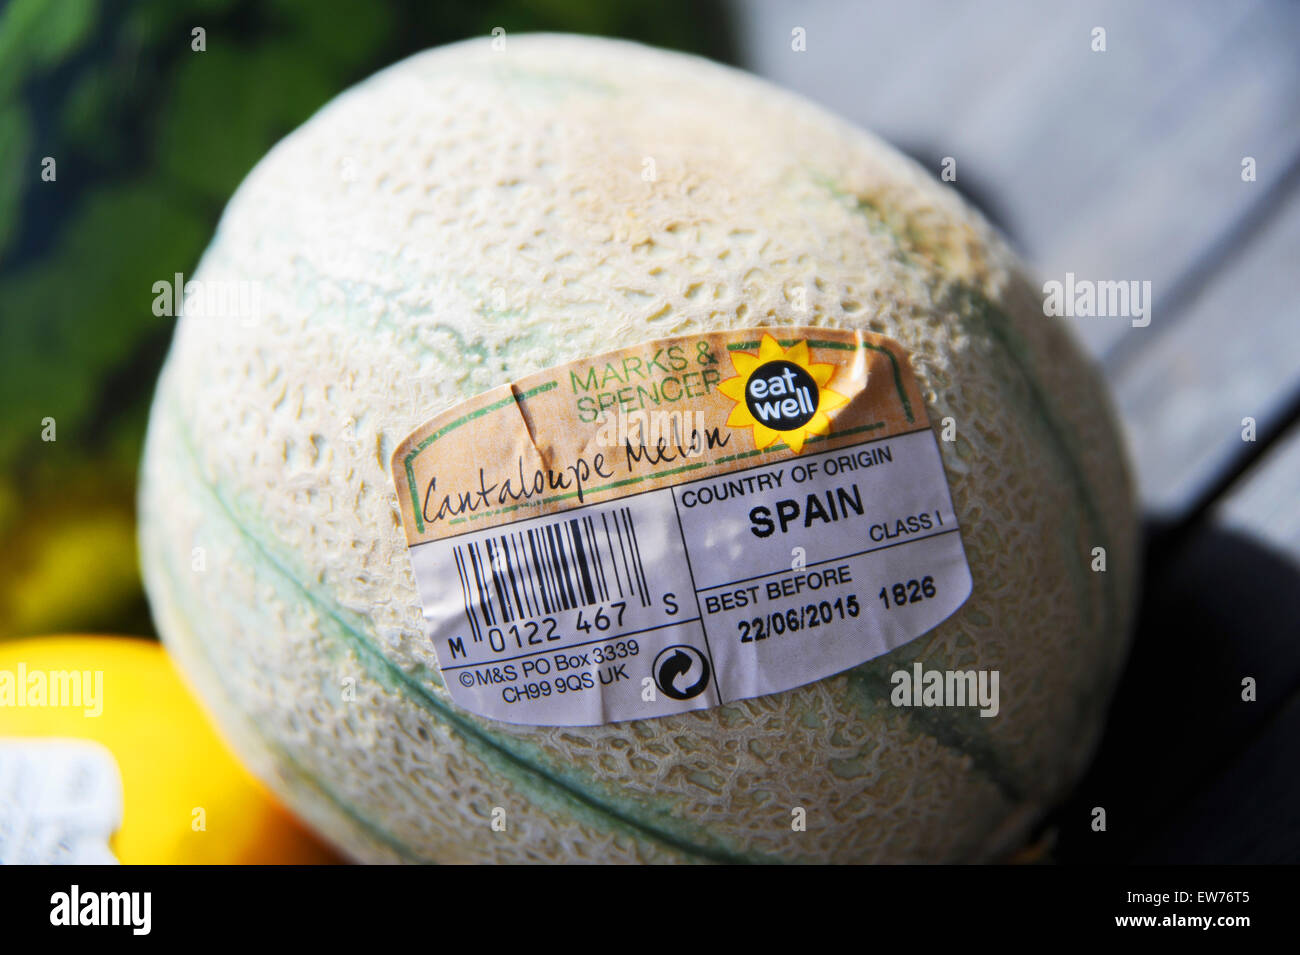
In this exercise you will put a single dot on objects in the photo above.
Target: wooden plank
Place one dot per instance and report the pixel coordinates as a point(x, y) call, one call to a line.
point(1266, 502)
point(1117, 165)
point(1171, 198)
point(1233, 355)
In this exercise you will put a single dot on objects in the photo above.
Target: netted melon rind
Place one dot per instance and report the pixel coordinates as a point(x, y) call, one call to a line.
point(469, 216)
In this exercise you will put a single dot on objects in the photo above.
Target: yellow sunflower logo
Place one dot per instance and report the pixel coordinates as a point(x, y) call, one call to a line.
point(781, 394)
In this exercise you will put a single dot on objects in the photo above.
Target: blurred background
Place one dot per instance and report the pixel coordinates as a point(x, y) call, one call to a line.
point(1155, 141)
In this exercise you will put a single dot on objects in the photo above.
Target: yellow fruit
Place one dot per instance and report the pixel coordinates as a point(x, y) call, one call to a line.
point(176, 772)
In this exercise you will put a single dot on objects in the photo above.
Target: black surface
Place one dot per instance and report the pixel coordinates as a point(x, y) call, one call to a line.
point(1187, 771)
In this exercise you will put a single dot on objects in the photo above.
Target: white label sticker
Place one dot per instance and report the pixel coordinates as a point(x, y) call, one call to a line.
point(60, 802)
point(654, 582)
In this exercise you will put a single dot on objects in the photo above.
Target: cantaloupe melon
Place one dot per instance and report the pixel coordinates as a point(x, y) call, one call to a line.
point(472, 215)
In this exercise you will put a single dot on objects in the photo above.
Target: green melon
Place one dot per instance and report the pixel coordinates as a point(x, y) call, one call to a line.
point(470, 216)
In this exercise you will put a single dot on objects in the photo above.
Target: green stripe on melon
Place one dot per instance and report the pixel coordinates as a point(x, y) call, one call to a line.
point(452, 224)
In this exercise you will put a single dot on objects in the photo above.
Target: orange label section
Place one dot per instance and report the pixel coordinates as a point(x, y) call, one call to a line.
point(648, 417)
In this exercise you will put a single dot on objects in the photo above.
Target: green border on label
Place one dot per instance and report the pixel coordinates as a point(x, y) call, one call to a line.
point(447, 428)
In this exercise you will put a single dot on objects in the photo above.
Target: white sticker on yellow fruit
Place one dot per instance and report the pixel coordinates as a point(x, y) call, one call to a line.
point(60, 802)
point(680, 524)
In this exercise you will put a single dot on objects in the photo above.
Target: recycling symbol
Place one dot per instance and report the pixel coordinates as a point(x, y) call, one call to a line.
point(681, 672)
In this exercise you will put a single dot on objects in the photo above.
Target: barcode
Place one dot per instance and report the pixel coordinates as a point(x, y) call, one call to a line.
point(559, 566)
